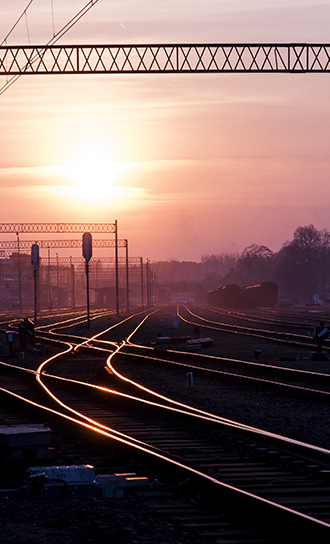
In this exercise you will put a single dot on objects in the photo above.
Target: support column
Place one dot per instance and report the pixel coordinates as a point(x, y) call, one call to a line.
point(142, 298)
point(127, 278)
point(116, 267)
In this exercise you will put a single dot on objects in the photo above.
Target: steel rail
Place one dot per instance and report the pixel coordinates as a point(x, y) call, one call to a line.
point(256, 318)
point(90, 343)
point(270, 509)
point(76, 342)
point(305, 339)
point(245, 366)
point(239, 499)
point(274, 336)
point(256, 502)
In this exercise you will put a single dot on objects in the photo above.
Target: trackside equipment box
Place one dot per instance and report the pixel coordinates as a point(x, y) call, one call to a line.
point(78, 474)
point(18, 440)
point(56, 482)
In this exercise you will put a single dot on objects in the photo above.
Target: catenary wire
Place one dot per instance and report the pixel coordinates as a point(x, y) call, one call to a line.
point(53, 40)
point(16, 23)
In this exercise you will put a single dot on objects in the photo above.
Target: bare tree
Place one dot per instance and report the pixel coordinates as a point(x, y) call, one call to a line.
point(301, 263)
point(255, 264)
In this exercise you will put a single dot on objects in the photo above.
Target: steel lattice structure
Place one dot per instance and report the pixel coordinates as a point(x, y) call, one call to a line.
point(19, 228)
point(45, 244)
point(79, 260)
point(94, 260)
point(164, 58)
point(58, 227)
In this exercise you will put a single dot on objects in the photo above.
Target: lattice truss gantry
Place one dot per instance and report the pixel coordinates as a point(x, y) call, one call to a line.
point(132, 261)
point(25, 245)
point(56, 228)
point(69, 59)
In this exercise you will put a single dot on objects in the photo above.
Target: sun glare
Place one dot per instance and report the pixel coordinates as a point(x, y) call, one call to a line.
point(93, 177)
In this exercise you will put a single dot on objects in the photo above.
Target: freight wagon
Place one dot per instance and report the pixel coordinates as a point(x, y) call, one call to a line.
point(227, 296)
point(262, 294)
point(251, 296)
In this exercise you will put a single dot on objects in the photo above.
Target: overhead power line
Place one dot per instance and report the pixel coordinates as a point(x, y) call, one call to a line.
point(52, 41)
point(16, 23)
point(53, 19)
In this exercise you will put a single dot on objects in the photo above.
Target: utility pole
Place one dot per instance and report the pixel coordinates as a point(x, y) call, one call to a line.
point(73, 295)
point(148, 286)
point(127, 278)
point(35, 264)
point(87, 254)
point(116, 267)
point(49, 284)
point(142, 287)
point(58, 282)
point(19, 275)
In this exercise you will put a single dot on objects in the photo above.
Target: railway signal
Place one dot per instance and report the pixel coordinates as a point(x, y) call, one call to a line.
point(87, 247)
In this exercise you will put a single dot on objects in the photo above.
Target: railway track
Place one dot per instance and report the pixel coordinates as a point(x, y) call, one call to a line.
point(290, 381)
point(260, 332)
point(229, 468)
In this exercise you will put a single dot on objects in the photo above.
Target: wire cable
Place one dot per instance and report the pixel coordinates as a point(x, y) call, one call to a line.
point(15, 24)
point(52, 41)
point(53, 19)
point(27, 27)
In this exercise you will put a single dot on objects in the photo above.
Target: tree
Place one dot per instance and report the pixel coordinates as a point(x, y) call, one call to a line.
point(217, 267)
point(301, 263)
point(308, 240)
point(255, 264)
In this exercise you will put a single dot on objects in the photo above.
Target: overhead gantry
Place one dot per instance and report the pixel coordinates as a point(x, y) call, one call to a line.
point(165, 58)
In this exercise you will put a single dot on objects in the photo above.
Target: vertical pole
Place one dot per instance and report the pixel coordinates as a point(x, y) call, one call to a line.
point(323, 275)
point(147, 280)
point(155, 289)
point(116, 267)
point(35, 263)
point(142, 299)
point(87, 253)
point(58, 282)
point(49, 288)
point(97, 296)
point(73, 295)
point(35, 272)
point(87, 280)
point(127, 278)
point(152, 284)
point(19, 275)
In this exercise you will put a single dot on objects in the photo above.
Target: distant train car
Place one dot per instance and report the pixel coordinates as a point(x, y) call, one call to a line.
point(227, 296)
point(251, 296)
point(262, 294)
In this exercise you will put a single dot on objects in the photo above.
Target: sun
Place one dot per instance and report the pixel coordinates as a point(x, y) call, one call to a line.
point(94, 176)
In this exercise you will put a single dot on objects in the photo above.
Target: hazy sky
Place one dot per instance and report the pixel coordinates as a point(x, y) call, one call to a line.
point(188, 164)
